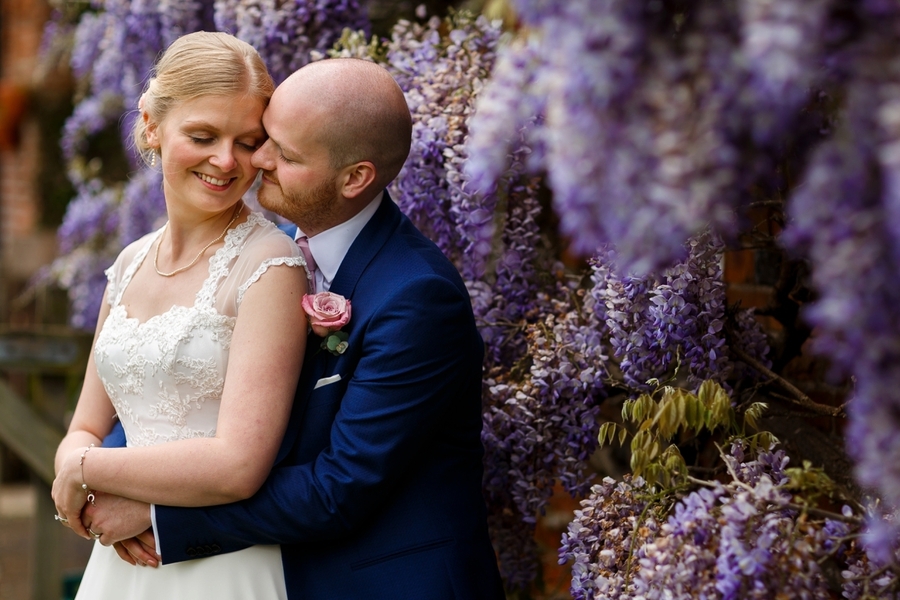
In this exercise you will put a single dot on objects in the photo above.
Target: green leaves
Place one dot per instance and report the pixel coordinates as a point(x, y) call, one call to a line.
point(610, 430)
point(675, 415)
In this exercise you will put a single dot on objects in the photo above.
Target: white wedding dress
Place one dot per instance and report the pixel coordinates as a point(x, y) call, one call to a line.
point(165, 377)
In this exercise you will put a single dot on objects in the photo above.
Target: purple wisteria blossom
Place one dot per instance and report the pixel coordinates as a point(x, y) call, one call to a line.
point(735, 540)
point(285, 32)
point(143, 206)
point(541, 429)
point(657, 323)
point(628, 144)
point(843, 218)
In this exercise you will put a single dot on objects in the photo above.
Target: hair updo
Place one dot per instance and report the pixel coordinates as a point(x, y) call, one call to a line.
point(200, 64)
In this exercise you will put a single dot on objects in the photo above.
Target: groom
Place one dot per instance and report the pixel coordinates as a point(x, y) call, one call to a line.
point(376, 492)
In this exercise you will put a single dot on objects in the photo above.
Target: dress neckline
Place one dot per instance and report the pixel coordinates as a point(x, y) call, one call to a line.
point(217, 269)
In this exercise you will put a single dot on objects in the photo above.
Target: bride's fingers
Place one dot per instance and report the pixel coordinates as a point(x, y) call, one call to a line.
point(149, 541)
point(61, 518)
point(69, 505)
point(78, 527)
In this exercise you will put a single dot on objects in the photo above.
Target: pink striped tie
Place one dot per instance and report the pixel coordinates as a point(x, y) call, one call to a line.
point(303, 243)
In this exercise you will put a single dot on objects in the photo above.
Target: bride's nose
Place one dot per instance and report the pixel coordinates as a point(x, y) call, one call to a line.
point(223, 157)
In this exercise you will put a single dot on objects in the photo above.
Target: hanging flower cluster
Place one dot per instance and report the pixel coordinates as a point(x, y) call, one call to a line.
point(742, 539)
point(658, 120)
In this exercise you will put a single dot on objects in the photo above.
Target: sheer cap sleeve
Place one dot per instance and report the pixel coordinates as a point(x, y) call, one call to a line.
point(265, 247)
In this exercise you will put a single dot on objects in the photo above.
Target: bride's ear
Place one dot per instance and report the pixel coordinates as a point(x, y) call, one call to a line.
point(150, 131)
point(356, 178)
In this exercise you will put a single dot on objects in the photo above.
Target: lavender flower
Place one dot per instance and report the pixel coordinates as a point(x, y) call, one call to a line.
point(284, 32)
point(740, 539)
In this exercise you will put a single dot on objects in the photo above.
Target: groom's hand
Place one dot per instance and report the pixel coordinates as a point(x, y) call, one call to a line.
point(115, 518)
point(140, 550)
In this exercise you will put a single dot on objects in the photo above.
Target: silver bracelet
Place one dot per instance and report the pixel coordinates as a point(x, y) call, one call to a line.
point(84, 484)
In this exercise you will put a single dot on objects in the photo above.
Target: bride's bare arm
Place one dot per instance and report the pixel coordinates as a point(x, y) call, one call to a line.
point(266, 353)
point(92, 421)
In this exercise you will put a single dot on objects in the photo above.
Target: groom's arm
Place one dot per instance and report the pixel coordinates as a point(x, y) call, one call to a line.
point(421, 350)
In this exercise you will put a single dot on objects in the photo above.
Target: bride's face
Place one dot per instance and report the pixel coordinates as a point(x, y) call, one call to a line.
point(205, 146)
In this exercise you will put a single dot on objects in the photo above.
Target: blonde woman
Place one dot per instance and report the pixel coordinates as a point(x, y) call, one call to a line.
point(201, 335)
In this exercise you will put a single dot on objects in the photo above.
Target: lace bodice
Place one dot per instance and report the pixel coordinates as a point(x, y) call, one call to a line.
point(165, 376)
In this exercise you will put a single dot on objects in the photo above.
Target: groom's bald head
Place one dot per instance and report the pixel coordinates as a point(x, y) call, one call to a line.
point(360, 111)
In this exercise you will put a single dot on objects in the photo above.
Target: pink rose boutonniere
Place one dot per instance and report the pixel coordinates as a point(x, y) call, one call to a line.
point(327, 313)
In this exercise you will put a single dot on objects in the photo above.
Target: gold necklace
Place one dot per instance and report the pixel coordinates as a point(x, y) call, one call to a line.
point(234, 217)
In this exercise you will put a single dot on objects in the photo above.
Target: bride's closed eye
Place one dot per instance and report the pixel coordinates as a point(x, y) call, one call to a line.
point(251, 146)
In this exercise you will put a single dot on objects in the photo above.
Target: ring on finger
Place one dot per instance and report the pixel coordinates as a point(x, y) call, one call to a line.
point(62, 520)
point(94, 534)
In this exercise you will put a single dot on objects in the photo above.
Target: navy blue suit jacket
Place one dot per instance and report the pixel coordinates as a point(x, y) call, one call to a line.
point(376, 491)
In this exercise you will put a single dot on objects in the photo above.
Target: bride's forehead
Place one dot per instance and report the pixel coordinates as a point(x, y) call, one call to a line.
point(237, 110)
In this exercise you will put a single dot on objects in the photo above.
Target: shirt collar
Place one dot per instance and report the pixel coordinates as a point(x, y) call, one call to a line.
point(330, 247)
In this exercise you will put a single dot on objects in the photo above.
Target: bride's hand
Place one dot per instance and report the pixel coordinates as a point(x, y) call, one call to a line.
point(68, 494)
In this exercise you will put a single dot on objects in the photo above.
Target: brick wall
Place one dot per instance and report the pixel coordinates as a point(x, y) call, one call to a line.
point(24, 245)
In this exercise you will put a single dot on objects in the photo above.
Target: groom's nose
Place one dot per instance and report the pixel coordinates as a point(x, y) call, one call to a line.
point(264, 157)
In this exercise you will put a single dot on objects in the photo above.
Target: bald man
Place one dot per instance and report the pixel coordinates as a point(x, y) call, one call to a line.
point(376, 492)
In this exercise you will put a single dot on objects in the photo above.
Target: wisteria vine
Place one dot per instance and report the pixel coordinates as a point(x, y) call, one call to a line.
point(661, 119)
point(745, 538)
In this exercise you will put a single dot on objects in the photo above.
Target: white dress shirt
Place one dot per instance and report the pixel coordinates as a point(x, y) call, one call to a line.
point(330, 247)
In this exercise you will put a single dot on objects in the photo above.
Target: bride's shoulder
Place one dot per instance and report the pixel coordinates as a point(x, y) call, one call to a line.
point(138, 246)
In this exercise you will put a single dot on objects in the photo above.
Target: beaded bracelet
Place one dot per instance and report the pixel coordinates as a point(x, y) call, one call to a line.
point(84, 485)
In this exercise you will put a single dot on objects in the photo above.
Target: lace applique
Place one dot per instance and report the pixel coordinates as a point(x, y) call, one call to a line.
point(165, 376)
point(292, 261)
point(219, 264)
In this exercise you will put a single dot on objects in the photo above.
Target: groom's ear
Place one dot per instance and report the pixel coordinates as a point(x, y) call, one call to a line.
point(356, 178)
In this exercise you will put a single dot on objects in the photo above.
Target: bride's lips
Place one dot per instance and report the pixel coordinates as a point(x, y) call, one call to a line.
point(215, 182)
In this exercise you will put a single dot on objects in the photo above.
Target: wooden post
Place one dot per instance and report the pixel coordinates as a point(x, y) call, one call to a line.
point(32, 428)
point(46, 575)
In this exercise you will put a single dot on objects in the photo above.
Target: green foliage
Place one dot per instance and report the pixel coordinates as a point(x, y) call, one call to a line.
point(659, 422)
point(810, 483)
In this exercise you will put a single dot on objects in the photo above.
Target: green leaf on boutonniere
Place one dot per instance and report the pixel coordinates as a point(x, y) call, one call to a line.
point(336, 342)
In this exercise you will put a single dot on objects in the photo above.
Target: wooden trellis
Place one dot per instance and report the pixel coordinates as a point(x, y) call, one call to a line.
point(32, 425)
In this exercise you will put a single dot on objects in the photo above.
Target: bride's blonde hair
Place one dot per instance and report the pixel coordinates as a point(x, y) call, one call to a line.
point(199, 64)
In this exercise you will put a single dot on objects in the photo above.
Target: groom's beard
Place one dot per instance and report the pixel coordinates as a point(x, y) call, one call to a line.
point(312, 210)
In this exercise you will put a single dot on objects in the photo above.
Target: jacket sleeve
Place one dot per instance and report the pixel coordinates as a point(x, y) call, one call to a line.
point(419, 350)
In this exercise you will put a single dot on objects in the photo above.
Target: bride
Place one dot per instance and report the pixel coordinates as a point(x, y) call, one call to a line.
point(201, 335)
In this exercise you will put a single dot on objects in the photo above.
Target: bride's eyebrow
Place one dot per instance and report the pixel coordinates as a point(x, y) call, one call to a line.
point(203, 124)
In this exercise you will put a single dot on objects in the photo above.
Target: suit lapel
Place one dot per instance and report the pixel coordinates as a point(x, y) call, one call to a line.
point(364, 248)
point(366, 245)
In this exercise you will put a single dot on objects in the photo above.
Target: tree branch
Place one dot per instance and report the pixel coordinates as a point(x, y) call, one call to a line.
point(799, 397)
